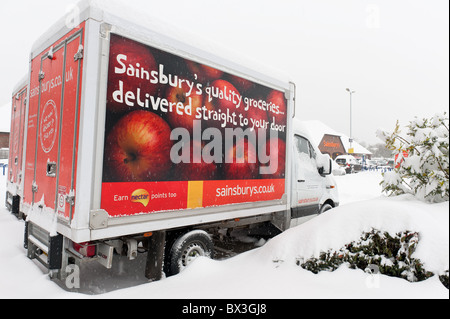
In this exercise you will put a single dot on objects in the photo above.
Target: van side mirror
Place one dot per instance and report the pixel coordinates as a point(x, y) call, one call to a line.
point(330, 168)
point(324, 164)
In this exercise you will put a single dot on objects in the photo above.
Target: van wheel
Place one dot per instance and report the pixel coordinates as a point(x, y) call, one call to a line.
point(186, 249)
point(325, 207)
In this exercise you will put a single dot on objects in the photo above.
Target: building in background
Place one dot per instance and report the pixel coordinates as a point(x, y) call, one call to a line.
point(334, 143)
point(5, 124)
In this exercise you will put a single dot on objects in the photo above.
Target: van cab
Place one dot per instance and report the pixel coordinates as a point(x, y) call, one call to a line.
point(315, 190)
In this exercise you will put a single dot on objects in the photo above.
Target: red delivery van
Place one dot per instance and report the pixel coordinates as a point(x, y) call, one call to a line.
point(135, 138)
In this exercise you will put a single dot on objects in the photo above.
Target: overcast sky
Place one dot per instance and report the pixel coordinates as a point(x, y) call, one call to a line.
point(393, 53)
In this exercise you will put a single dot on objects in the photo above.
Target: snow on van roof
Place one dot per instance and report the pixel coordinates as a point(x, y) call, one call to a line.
point(144, 24)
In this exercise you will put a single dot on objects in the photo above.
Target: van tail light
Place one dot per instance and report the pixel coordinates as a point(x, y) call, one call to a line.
point(86, 249)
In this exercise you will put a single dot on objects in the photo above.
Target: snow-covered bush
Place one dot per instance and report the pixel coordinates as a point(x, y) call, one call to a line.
point(422, 159)
point(391, 254)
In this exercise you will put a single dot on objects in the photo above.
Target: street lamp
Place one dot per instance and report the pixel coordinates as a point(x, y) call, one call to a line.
point(351, 150)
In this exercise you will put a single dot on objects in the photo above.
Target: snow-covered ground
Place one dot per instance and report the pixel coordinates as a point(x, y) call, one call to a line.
point(266, 272)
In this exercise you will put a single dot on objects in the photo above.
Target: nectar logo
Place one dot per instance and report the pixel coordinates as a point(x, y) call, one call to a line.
point(140, 196)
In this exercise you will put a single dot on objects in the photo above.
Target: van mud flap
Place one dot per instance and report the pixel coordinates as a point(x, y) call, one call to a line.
point(13, 204)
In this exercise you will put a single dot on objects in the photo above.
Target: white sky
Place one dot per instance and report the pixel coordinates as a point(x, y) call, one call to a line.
point(394, 53)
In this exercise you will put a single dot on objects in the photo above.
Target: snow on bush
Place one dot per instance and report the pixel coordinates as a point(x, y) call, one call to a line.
point(390, 255)
point(422, 163)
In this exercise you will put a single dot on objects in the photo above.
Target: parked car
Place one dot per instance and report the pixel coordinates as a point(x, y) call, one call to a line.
point(381, 162)
point(370, 165)
point(337, 169)
point(384, 164)
point(350, 163)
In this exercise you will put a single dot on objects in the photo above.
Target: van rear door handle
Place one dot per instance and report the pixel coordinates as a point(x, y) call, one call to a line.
point(301, 180)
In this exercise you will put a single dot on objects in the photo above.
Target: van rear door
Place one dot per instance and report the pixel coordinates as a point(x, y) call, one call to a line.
point(53, 125)
point(16, 136)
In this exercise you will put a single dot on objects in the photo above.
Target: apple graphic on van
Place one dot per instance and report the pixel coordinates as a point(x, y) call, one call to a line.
point(222, 97)
point(196, 169)
point(187, 102)
point(277, 107)
point(226, 96)
point(241, 83)
point(203, 73)
point(241, 162)
point(138, 148)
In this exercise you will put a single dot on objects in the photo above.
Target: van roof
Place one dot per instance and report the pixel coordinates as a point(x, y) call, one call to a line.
point(147, 26)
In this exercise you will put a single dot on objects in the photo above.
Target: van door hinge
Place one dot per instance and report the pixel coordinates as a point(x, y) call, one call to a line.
point(79, 54)
point(70, 199)
point(41, 75)
point(34, 188)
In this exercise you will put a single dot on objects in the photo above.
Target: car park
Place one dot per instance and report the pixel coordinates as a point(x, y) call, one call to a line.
point(350, 163)
point(369, 165)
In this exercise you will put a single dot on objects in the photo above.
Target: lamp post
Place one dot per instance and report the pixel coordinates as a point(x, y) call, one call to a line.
point(351, 150)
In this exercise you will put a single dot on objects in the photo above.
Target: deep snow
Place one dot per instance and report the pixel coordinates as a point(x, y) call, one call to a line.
point(266, 272)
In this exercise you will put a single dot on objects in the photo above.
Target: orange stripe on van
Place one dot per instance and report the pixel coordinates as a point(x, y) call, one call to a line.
point(195, 194)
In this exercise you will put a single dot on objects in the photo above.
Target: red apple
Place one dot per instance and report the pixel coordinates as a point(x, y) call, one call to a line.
point(241, 83)
point(188, 112)
point(225, 98)
point(138, 148)
point(127, 61)
point(278, 108)
point(241, 163)
point(196, 169)
point(211, 73)
point(229, 96)
point(276, 152)
point(203, 72)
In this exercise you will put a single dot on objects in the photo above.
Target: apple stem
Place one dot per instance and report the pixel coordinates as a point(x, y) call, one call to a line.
point(130, 158)
point(181, 98)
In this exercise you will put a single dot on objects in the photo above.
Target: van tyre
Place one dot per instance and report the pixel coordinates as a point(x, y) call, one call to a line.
point(185, 249)
point(324, 208)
